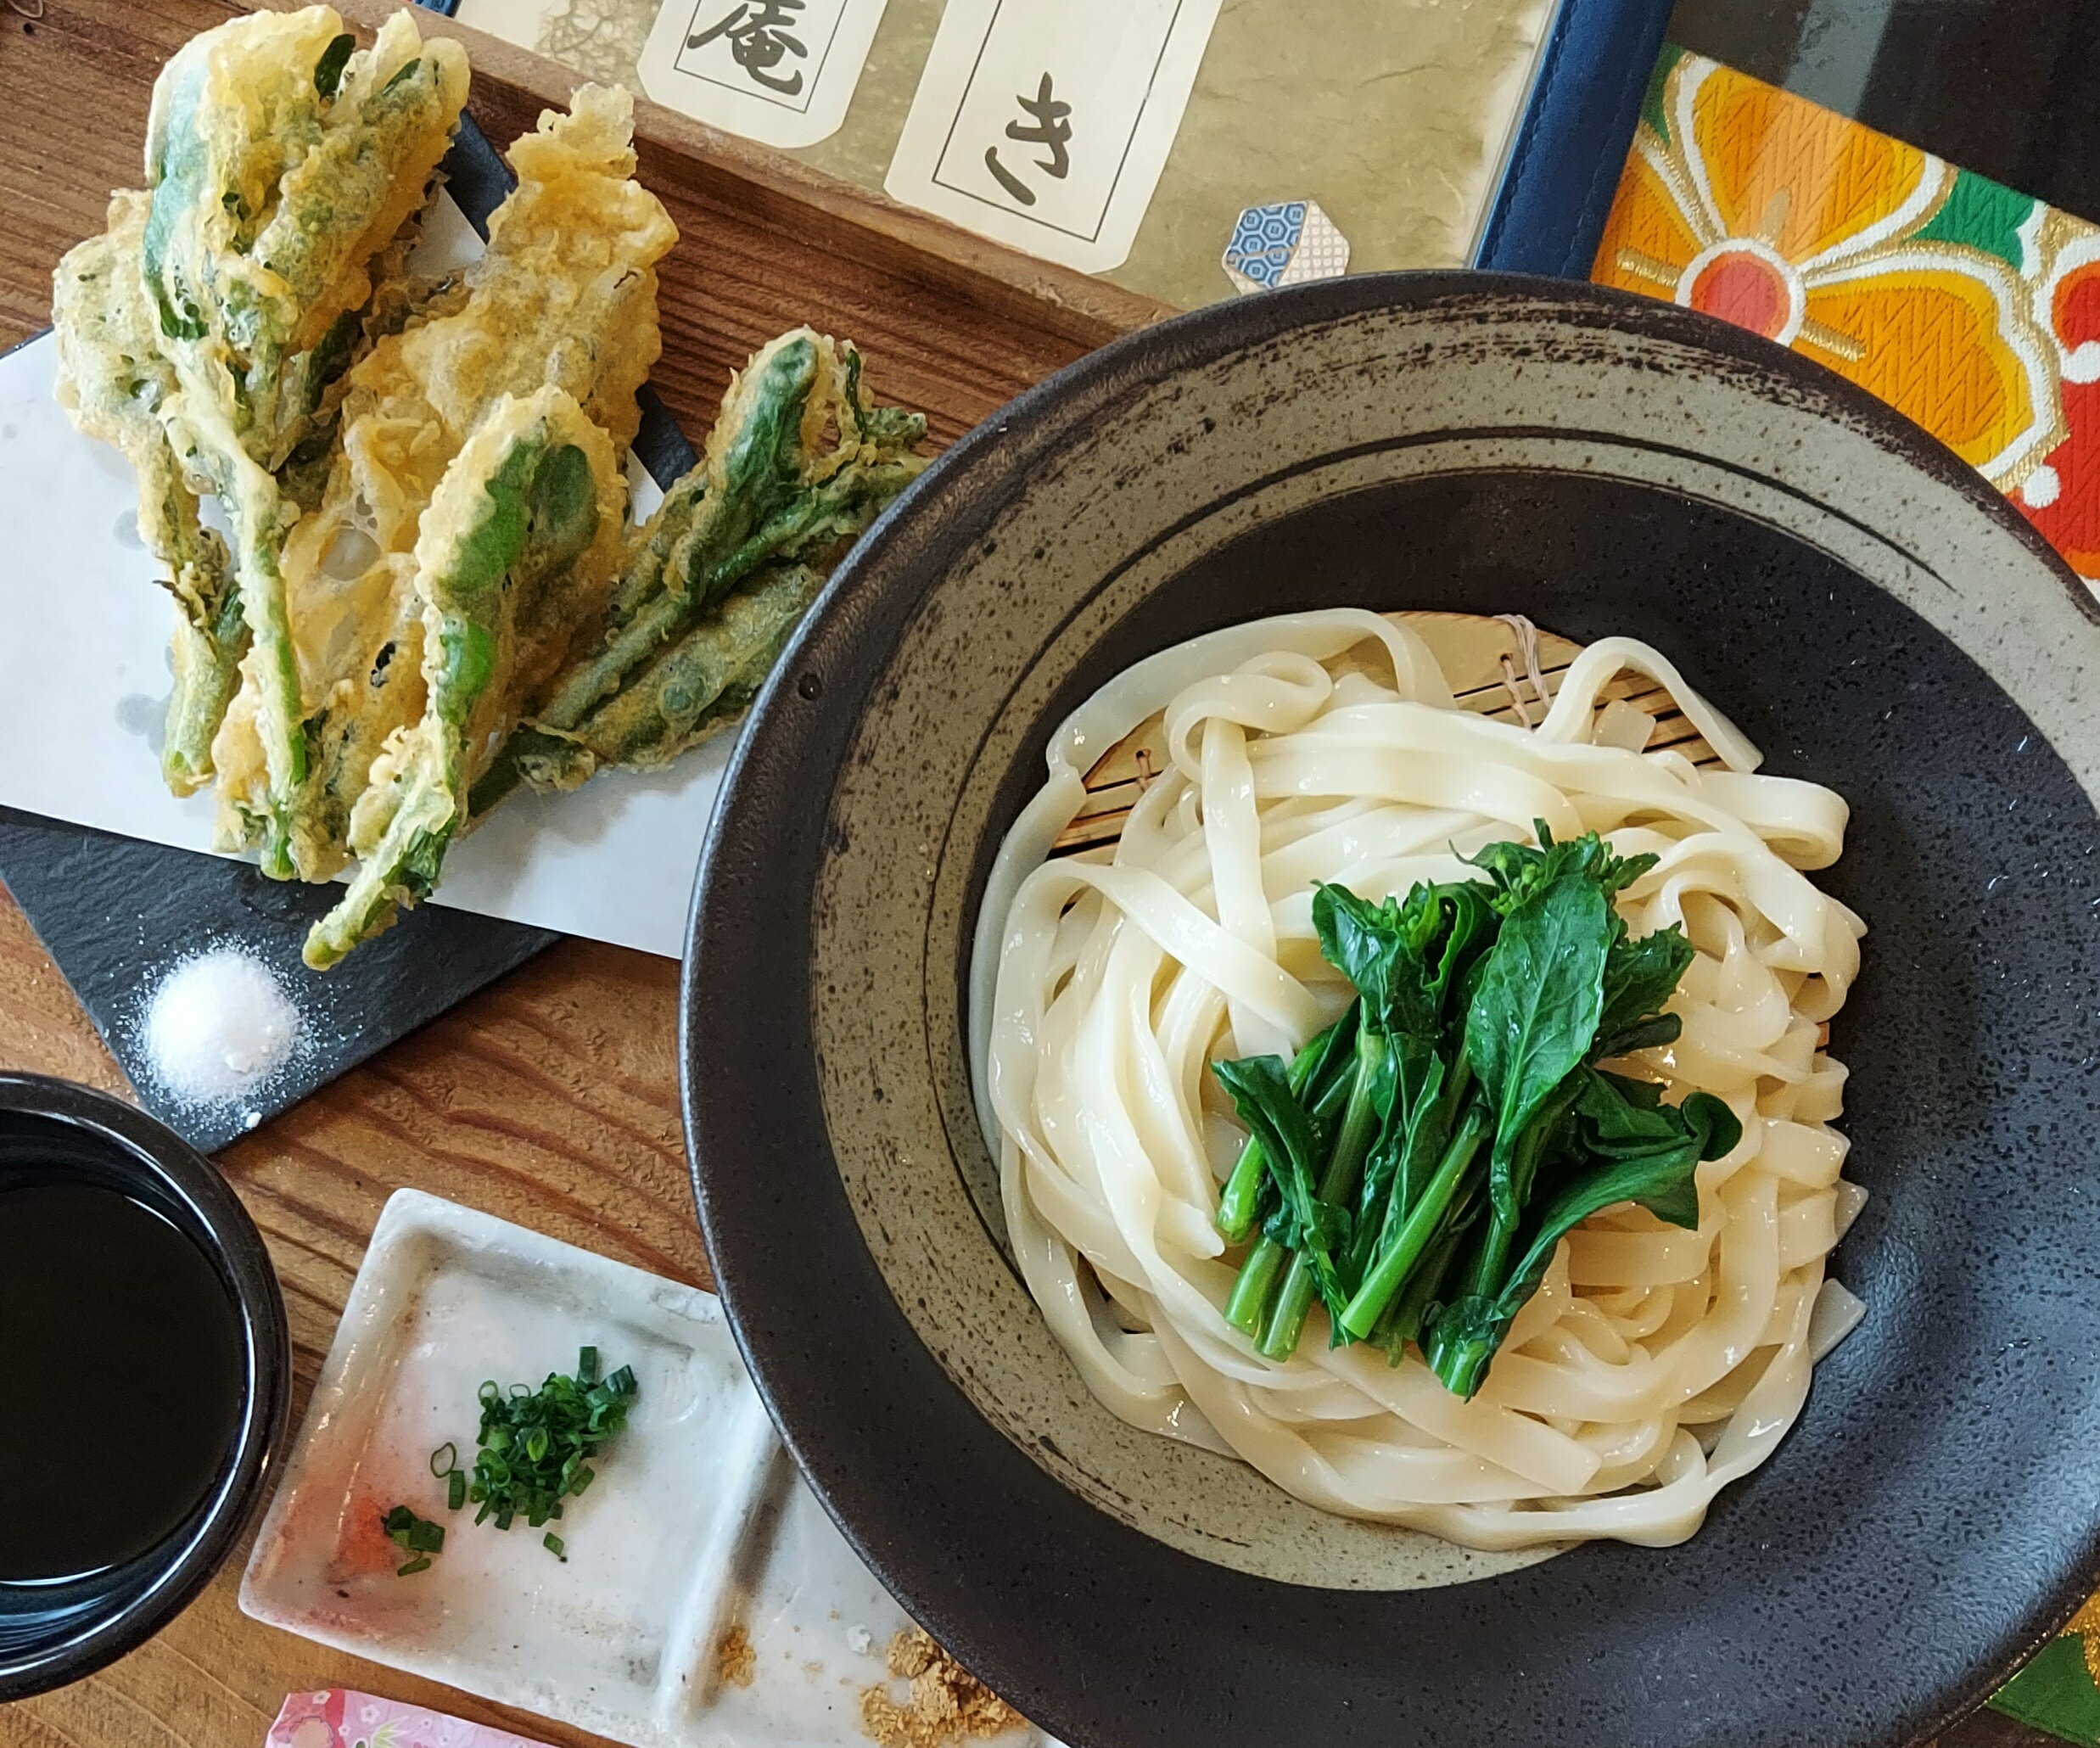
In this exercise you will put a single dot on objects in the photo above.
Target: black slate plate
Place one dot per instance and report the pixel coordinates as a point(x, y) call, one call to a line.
point(113, 910)
point(1863, 604)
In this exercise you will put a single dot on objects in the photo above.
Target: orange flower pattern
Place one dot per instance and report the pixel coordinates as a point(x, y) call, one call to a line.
point(1973, 310)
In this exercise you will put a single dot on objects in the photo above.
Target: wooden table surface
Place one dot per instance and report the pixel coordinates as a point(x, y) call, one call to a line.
point(549, 1098)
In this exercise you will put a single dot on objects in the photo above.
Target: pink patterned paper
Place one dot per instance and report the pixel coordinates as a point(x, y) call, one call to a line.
point(336, 1717)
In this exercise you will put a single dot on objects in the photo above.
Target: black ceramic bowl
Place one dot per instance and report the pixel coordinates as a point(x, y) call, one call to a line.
point(1875, 616)
point(52, 1633)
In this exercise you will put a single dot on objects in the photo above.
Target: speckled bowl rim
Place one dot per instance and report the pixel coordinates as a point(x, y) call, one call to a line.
point(807, 1364)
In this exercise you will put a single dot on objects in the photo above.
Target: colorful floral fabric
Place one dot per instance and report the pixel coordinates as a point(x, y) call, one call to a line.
point(1972, 309)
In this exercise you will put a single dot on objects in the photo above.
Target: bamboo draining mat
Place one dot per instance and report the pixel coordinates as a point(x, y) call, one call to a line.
point(1491, 672)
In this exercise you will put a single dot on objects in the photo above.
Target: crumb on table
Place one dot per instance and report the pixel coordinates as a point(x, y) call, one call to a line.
point(948, 1704)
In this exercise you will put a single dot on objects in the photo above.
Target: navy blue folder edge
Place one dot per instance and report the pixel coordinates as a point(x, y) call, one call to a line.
point(1561, 172)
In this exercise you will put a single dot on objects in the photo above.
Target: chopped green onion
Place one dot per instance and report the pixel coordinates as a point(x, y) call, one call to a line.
point(534, 1447)
point(553, 1544)
point(416, 1536)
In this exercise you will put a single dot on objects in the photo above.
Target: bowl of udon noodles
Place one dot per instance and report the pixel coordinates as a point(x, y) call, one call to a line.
point(1389, 1036)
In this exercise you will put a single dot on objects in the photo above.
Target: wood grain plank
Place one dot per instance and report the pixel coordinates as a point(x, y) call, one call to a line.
point(42, 1029)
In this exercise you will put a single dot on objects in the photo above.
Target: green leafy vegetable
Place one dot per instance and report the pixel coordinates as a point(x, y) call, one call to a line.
point(416, 1536)
point(1370, 1096)
point(718, 578)
point(1535, 1014)
point(1424, 1222)
point(1260, 1088)
point(328, 70)
point(1408, 1143)
point(1530, 1025)
point(1404, 958)
point(1414, 1167)
point(1636, 1149)
point(1407, 960)
point(1517, 871)
point(514, 510)
point(1639, 978)
point(1379, 948)
point(1241, 1207)
point(1439, 934)
point(1406, 1316)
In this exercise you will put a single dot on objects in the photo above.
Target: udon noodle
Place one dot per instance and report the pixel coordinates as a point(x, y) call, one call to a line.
point(1655, 1364)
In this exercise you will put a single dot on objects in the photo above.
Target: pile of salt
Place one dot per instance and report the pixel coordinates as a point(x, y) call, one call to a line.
point(219, 1026)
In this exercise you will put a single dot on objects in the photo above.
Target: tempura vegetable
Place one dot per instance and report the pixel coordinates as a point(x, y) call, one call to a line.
point(113, 381)
point(279, 166)
point(522, 531)
point(797, 466)
point(431, 593)
point(565, 295)
point(697, 688)
point(709, 592)
point(282, 164)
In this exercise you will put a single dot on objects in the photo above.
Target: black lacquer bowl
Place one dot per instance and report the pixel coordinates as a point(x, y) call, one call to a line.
point(1874, 615)
point(53, 1131)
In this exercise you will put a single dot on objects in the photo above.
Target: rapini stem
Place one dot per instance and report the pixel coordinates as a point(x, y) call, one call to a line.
point(1389, 1272)
point(1240, 1201)
point(1286, 1322)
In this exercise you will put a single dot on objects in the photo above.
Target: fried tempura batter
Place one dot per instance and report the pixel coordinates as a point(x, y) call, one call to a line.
point(518, 544)
point(113, 381)
point(431, 593)
point(565, 295)
point(282, 167)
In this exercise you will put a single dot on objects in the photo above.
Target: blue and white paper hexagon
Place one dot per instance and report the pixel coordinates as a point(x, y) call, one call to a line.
point(1285, 243)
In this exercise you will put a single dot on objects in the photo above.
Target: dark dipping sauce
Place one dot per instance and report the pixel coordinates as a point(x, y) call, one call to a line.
point(126, 1358)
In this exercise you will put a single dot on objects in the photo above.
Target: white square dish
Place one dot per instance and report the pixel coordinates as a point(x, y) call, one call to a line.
point(697, 1533)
